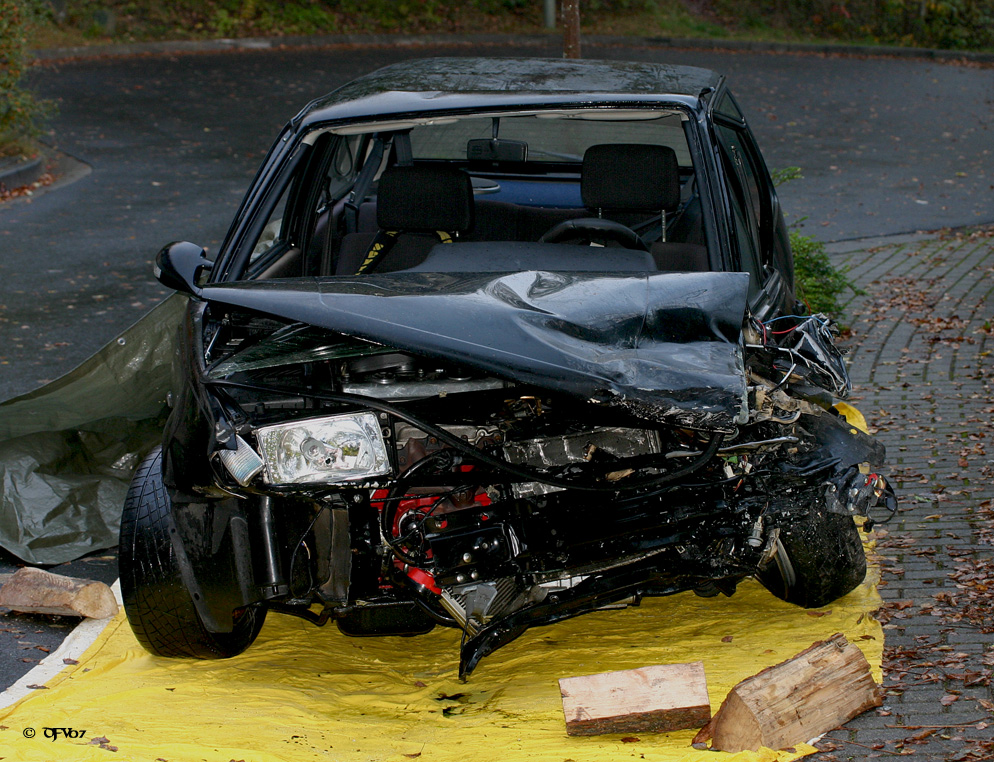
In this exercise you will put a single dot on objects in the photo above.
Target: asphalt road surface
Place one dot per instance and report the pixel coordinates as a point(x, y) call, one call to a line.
point(171, 143)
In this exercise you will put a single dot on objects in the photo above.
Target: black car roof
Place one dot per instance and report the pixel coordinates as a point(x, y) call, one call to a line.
point(442, 84)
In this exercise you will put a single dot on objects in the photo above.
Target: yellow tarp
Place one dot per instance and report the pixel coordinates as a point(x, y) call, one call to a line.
point(303, 693)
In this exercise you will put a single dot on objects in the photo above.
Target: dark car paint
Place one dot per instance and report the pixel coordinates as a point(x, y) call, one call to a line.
point(659, 347)
point(666, 340)
point(712, 394)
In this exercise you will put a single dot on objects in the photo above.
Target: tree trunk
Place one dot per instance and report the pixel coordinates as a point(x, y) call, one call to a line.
point(571, 28)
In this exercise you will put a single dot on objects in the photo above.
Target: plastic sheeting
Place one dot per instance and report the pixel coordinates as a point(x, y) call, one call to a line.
point(303, 693)
point(68, 449)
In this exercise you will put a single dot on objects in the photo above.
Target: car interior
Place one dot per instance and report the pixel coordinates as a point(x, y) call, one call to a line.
point(491, 207)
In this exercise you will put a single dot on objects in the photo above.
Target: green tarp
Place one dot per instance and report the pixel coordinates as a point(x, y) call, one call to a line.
point(68, 449)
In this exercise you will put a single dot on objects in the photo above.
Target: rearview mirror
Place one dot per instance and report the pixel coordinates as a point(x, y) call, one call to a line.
point(495, 149)
point(179, 266)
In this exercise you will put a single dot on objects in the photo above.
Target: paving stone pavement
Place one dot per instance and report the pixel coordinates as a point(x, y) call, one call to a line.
point(923, 334)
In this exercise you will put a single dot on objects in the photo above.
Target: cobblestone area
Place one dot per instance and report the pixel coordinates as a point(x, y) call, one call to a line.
point(923, 333)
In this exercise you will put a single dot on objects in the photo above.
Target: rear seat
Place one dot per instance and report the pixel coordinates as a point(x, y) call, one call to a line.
point(494, 220)
point(505, 221)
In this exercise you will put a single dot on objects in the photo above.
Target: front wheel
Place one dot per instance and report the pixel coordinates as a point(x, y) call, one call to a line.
point(157, 602)
point(819, 558)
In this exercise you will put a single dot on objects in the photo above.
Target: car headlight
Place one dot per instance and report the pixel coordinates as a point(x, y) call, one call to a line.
point(339, 448)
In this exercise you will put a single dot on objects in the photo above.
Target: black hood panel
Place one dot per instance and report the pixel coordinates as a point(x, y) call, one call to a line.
point(665, 346)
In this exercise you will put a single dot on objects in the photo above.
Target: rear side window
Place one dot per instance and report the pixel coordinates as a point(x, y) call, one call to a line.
point(727, 107)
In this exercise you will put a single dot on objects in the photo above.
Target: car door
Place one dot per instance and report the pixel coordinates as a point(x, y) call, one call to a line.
point(755, 218)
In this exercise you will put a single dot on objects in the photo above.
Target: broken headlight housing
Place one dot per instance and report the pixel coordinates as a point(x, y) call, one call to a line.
point(339, 448)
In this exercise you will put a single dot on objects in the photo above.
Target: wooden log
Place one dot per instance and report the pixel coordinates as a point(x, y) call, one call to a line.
point(818, 690)
point(35, 591)
point(649, 699)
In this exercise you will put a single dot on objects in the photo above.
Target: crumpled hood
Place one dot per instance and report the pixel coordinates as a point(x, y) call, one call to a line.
point(666, 346)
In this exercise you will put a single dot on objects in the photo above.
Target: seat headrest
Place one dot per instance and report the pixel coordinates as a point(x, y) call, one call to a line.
point(424, 199)
point(630, 177)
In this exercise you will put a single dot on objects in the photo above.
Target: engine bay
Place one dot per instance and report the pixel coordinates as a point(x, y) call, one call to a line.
point(499, 505)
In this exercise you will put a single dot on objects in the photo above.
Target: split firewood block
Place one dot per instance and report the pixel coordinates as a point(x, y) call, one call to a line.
point(34, 591)
point(818, 690)
point(649, 699)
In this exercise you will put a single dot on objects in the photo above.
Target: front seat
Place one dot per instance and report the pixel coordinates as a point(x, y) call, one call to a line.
point(626, 180)
point(416, 208)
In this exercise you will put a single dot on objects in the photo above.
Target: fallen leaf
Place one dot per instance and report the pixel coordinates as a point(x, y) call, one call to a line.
point(948, 699)
point(630, 739)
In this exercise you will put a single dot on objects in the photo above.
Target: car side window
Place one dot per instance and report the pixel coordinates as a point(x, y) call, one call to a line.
point(744, 197)
point(344, 167)
point(273, 234)
point(727, 107)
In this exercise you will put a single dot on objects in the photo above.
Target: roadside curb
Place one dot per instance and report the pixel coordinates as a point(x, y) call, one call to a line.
point(374, 40)
point(22, 173)
point(65, 169)
point(851, 245)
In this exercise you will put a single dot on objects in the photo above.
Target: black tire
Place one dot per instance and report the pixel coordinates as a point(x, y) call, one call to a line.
point(819, 559)
point(157, 602)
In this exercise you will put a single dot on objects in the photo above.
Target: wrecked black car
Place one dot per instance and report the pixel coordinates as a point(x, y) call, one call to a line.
point(490, 344)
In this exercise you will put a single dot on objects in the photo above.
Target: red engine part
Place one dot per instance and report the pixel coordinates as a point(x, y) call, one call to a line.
point(422, 579)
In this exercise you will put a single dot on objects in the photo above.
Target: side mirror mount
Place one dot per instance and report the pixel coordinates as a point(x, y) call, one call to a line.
point(179, 266)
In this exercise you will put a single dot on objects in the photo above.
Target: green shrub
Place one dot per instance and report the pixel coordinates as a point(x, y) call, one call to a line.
point(955, 24)
point(21, 113)
point(817, 282)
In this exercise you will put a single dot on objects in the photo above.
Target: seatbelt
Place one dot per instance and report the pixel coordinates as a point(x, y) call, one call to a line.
point(383, 243)
point(362, 185)
point(378, 249)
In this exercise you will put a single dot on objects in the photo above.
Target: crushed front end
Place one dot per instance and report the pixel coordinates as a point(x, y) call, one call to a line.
point(375, 465)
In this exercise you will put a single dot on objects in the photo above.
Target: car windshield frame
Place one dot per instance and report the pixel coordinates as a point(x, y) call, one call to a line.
point(236, 253)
